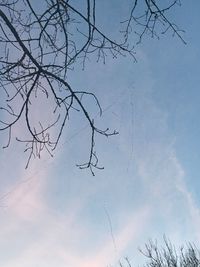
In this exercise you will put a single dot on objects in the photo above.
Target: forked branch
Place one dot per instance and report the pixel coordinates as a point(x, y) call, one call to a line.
point(39, 48)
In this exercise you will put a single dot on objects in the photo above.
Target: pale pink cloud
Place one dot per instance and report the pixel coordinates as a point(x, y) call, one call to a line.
point(26, 198)
point(128, 234)
point(55, 246)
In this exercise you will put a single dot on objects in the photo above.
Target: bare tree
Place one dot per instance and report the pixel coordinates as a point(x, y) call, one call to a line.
point(42, 41)
point(169, 256)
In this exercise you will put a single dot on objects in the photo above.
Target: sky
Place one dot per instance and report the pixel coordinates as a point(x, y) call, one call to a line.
point(53, 214)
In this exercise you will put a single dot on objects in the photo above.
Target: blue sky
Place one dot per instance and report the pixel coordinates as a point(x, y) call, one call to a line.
point(53, 214)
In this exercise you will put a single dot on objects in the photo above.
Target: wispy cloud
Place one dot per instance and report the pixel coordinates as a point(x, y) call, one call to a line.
point(107, 254)
point(128, 234)
point(26, 200)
